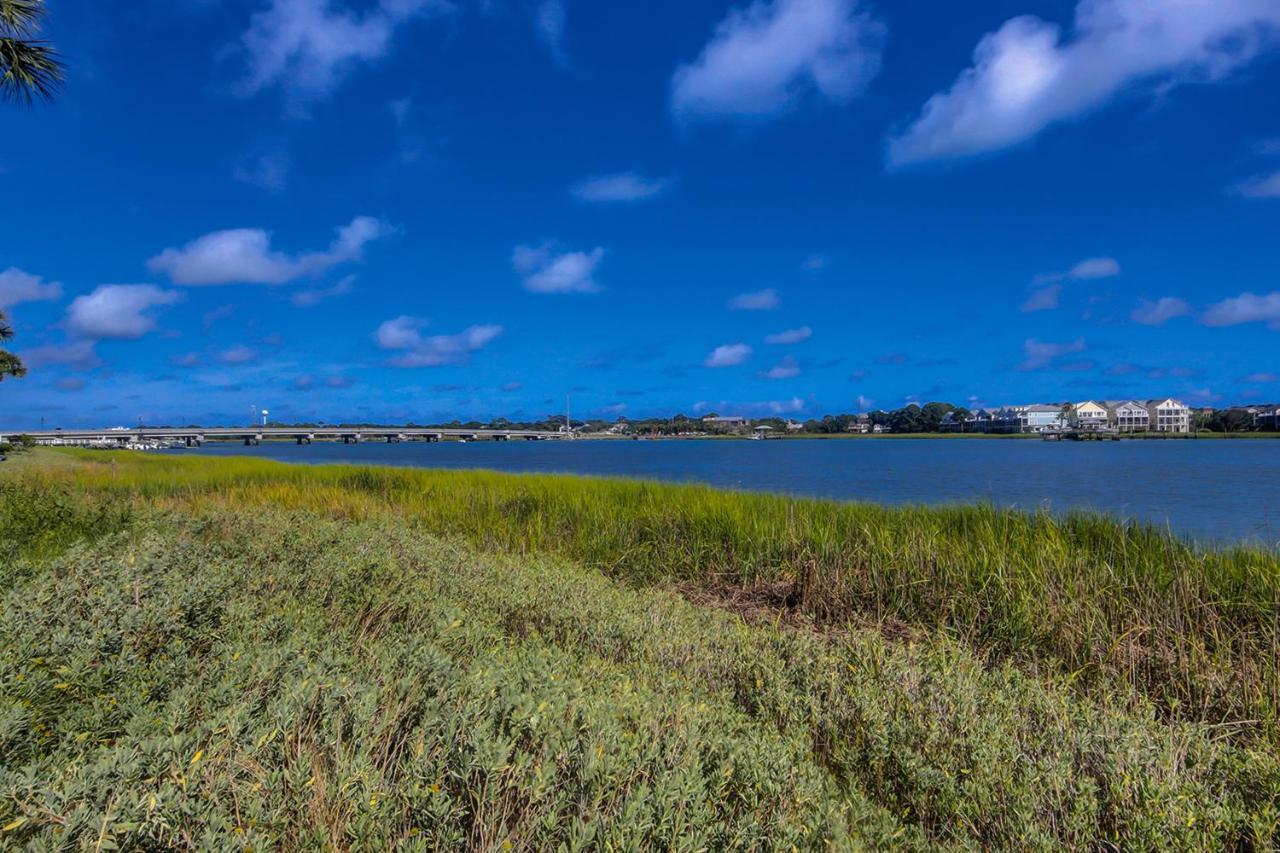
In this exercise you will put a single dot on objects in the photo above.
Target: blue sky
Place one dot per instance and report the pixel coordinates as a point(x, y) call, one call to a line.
point(416, 209)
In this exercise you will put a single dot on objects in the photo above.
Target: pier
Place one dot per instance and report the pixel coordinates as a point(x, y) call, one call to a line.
point(1113, 434)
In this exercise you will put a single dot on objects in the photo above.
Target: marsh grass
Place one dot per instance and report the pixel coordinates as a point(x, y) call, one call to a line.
point(261, 677)
point(1110, 605)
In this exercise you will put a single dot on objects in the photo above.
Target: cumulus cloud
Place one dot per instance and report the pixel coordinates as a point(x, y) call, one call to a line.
point(418, 350)
point(245, 256)
point(757, 300)
point(1027, 75)
point(788, 368)
point(790, 336)
point(308, 298)
point(308, 46)
point(1260, 186)
point(1159, 312)
point(543, 270)
point(1245, 308)
point(727, 355)
point(1089, 268)
point(120, 311)
point(1043, 299)
point(1038, 354)
point(769, 56)
point(623, 186)
point(17, 286)
point(238, 355)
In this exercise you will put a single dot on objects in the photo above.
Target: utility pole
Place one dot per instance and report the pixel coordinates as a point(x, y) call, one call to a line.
point(568, 422)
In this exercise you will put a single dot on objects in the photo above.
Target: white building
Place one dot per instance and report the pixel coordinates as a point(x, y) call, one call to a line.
point(1130, 416)
point(1036, 417)
point(1169, 416)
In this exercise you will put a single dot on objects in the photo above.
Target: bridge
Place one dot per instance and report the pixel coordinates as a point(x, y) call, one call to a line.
point(196, 436)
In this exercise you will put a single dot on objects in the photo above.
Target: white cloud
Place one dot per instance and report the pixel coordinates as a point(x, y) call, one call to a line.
point(1260, 186)
point(788, 368)
point(1038, 354)
point(790, 336)
point(308, 298)
point(307, 46)
point(767, 57)
point(266, 171)
point(757, 300)
point(623, 186)
point(245, 256)
point(121, 311)
point(405, 333)
point(17, 286)
point(78, 354)
point(1245, 308)
point(237, 355)
point(549, 23)
point(1027, 76)
point(545, 271)
point(727, 355)
point(1262, 377)
point(815, 263)
point(1044, 299)
point(1089, 268)
point(1095, 268)
point(1159, 312)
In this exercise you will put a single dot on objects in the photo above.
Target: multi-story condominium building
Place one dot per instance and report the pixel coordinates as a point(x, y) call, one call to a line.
point(1129, 416)
point(1169, 416)
point(1033, 418)
point(1089, 415)
point(1267, 418)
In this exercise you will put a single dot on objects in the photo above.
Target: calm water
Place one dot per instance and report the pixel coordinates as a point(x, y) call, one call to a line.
point(1208, 490)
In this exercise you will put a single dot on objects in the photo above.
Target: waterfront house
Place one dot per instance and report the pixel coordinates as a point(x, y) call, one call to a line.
point(1089, 416)
point(725, 420)
point(983, 420)
point(1036, 417)
point(1129, 416)
point(1267, 418)
point(860, 424)
point(1169, 416)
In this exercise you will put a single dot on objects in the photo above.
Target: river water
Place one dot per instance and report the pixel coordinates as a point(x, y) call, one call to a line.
point(1209, 490)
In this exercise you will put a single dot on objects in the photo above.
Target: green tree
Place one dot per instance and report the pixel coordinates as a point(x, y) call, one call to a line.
point(30, 68)
point(10, 364)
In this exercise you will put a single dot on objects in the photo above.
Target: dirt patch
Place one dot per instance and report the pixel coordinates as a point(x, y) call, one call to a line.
point(782, 603)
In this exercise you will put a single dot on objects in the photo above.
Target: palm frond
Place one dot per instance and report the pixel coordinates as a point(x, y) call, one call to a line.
point(21, 17)
point(29, 70)
point(11, 365)
point(6, 331)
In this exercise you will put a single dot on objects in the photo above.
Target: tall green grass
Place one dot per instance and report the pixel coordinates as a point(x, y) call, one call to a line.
point(261, 678)
point(1109, 605)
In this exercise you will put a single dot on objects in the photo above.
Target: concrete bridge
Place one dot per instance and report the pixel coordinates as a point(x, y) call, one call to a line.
point(196, 436)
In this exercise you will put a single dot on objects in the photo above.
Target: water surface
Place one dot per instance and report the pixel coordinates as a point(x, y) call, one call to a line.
point(1211, 490)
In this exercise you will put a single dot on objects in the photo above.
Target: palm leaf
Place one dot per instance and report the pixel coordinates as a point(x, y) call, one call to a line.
point(29, 70)
point(11, 365)
point(21, 17)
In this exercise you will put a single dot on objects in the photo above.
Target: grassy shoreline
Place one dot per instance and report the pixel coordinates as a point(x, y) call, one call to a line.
point(983, 677)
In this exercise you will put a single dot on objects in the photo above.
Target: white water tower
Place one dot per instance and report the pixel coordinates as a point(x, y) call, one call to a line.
point(264, 417)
